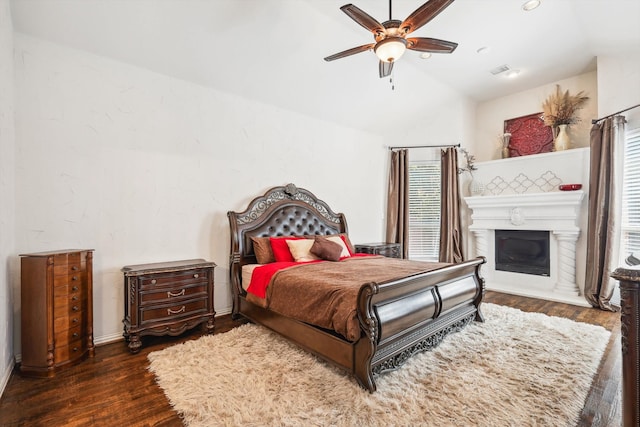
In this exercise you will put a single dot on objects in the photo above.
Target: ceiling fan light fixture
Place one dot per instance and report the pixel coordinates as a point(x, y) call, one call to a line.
point(390, 49)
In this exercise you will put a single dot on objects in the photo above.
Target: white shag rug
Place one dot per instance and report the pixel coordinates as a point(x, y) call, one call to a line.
point(516, 369)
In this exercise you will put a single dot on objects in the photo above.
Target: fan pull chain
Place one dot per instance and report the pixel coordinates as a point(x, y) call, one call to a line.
point(393, 85)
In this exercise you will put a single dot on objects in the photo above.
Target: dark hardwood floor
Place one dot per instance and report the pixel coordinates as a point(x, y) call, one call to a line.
point(115, 388)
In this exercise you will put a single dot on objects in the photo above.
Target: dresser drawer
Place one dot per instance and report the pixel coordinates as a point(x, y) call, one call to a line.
point(168, 295)
point(63, 338)
point(73, 279)
point(69, 352)
point(67, 322)
point(173, 279)
point(64, 264)
point(65, 297)
point(173, 311)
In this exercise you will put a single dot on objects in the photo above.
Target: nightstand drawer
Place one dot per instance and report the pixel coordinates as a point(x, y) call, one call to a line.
point(173, 279)
point(178, 293)
point(173, 311)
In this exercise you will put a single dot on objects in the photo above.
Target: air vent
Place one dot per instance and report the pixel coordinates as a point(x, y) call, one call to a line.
point(500, 69)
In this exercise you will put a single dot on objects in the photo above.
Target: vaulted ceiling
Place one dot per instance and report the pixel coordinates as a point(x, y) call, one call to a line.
point(272, 50)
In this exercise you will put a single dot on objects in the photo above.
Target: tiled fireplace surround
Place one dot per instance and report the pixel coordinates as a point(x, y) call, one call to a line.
point(522, 193)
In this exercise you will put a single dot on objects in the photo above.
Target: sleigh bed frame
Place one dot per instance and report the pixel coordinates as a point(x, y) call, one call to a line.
point(397, 318)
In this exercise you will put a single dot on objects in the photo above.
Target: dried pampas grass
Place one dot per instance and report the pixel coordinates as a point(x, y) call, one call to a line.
point(561, 108)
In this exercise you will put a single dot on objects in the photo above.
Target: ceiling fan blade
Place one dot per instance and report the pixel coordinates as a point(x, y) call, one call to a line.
point(424, 14)
point(350, 52)
point(425, 44)
point(385, 68)
point(363, 18)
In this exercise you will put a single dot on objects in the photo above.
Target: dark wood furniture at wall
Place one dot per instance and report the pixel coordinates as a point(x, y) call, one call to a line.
point(167, 298)
point(57, 310)
point(630, 338)
point(397, 318)
point(390, 250)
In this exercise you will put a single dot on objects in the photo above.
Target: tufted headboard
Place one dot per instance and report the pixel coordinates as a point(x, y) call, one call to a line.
point(281, 211)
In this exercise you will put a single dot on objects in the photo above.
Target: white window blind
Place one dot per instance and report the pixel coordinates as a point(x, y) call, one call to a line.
point(424, 210)
point(630, 232)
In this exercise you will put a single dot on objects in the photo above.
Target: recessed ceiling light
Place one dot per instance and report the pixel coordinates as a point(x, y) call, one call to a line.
point(483, 49)
point(425, 55)
point(512, 73)
point(530, 5)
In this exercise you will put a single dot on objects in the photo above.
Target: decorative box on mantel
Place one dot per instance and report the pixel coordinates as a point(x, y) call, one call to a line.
point(536, 221)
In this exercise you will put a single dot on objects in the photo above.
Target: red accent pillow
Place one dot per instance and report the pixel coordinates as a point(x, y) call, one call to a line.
point(281, 250)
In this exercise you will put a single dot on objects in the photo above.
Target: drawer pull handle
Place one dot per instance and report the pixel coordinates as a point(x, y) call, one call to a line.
point(74, 268)
point(74, 298)
point(75, 335)
point(75, 308)
point(75, 348)
point(153, 281)
point(75, 288)
point(171, 294)
point(170, 312)
point(74, 278)
point(195, 276)
point(74, 320)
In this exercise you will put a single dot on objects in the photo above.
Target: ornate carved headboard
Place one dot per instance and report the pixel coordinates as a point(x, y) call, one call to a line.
point(281, 211)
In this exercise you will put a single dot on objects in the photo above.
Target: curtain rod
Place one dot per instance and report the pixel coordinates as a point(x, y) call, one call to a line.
point(594, 121)
point(425, 146)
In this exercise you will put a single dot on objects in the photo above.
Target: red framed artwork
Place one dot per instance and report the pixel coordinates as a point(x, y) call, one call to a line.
point(529, 135)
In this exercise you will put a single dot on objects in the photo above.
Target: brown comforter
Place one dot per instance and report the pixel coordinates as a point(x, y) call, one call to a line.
point(325, 294)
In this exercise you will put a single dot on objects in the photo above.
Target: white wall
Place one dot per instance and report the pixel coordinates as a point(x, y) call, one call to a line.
point(7, 193)
point(142, 167)
point(619, 85)
point(490, 115)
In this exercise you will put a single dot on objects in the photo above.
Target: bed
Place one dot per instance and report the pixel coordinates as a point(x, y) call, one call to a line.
point(396, 318)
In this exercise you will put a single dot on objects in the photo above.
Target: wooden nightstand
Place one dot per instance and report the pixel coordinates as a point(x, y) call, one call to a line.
point(167, 298)
point(390, 250)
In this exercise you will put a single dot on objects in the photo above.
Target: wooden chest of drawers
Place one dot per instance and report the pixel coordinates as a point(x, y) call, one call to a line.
point(57, 310)
point(390, 250)
point(167, 298)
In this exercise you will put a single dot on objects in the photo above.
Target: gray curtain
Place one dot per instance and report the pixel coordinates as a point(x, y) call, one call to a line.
point(606, 138)
point(398, 201)
point(450, 223)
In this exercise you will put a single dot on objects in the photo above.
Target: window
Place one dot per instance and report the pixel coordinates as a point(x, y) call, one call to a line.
point(630, 231)
point(424, 209)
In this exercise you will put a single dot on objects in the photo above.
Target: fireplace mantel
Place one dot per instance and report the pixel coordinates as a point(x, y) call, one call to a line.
point(557, 212)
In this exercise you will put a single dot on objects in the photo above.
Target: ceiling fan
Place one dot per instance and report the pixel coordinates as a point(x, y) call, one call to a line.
point(391, 36)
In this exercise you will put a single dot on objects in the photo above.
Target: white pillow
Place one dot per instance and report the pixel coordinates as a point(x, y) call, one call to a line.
point(338, 240)
point(300, 250)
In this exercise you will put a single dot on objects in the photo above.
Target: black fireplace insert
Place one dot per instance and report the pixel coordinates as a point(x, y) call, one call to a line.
point(523, 251)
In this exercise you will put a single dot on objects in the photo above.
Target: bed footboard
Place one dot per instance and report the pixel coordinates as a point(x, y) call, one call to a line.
point(403, 317)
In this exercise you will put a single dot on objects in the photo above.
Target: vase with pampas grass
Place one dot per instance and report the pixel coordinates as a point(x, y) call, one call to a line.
point(559, 111)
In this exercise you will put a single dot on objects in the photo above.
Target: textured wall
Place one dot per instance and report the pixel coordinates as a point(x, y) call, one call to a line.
point(7, 192)
point(142, 167)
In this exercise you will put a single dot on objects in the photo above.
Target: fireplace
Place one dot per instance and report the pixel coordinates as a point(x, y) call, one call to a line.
point(549, 259)
point(523, 251)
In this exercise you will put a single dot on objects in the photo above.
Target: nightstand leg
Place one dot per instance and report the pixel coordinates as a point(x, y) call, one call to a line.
point(134, 343)
point(210, 325)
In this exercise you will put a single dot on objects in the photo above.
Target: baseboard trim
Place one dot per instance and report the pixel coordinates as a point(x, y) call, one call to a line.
point(111, 338)
point(101, 340)
point(6, 375)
